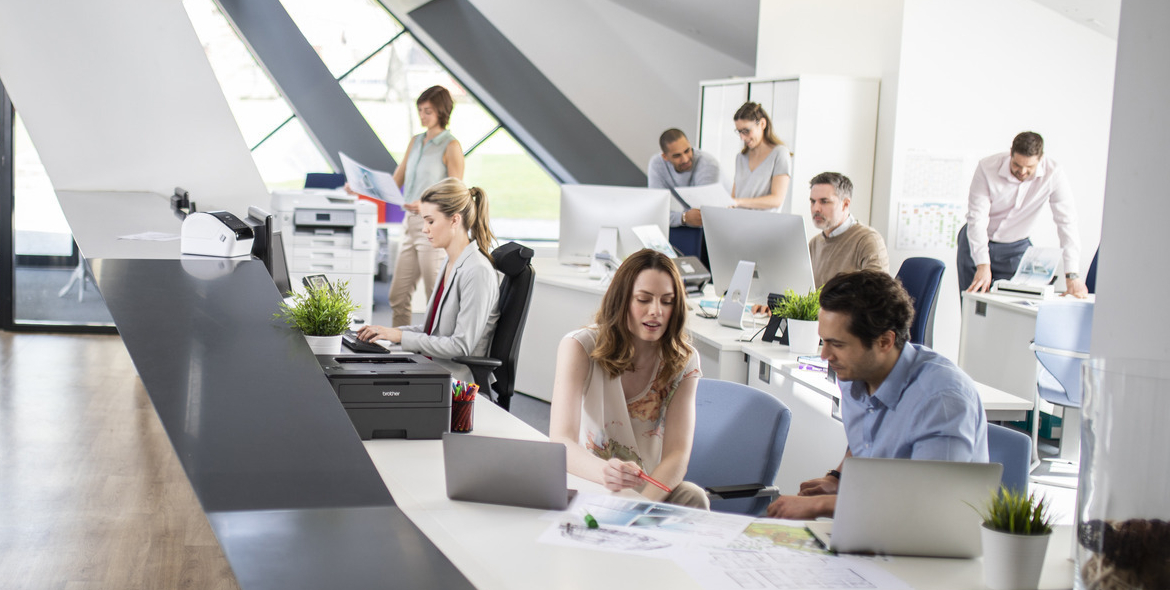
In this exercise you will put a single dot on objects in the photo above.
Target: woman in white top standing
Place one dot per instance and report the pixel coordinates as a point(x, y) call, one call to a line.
point(763, 169)
point(431, 156)
point(462, 312)
point(624, 393)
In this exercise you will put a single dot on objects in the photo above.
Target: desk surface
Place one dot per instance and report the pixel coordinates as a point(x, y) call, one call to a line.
point(779, 357)
point(496, 546)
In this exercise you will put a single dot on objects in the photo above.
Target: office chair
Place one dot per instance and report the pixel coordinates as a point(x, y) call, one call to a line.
point(514, 261)
point(740, 433)
point(324, 180)
point(1063, 334)
point(1091, 276)
point(1013, 450)
point(921, 278)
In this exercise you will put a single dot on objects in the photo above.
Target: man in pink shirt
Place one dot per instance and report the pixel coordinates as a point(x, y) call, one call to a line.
point(1007, 194)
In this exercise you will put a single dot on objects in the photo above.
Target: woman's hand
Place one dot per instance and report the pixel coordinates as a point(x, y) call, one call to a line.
point(619, 475)
point(372, 333)
point(411, 207)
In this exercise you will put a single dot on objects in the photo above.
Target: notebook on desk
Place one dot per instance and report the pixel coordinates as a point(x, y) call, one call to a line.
point(908, 507)
point(492, 470)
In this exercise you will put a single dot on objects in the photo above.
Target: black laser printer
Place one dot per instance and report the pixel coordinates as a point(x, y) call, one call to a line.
point(391, 395)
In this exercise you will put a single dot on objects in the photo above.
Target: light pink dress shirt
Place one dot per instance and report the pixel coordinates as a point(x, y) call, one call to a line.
point(1000, 208)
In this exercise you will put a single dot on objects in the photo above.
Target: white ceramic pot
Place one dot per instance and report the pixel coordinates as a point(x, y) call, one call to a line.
point(324, 344)
point(1012, 562)
point(803, 337)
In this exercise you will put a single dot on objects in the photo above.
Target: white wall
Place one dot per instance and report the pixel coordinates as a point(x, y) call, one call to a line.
point(118, 96)
point(959, 80)
point(631, 76)
point(971, 79)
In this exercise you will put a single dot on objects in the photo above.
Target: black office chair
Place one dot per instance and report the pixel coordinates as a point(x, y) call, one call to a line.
point(921, 278)
point(514, 261)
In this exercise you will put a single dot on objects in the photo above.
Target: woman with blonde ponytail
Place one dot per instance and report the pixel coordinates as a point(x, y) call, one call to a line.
point(461, 314)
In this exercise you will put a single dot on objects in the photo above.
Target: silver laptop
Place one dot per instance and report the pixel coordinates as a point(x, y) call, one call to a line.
point(493, 470)
point(908, 507)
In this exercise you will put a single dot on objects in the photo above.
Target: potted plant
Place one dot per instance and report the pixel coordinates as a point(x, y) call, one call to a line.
point(1016, 529)
point(321, 313)
point(801, 312)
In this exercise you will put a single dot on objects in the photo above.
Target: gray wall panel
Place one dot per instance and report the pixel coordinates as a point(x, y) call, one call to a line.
point(525, 101)
point(328, 114)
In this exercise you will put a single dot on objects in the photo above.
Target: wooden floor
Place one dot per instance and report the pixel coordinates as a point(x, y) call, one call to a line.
point(91, 493)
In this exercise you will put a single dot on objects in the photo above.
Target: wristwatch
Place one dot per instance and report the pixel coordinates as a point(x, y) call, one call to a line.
point(684, 218)
point(834, 473)
point(1072, 276)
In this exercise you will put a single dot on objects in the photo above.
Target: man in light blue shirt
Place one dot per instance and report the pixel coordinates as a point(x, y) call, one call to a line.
point(898, 400)
point(681, 165)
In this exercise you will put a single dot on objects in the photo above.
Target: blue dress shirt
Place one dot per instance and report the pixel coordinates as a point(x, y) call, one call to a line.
point(927, 408)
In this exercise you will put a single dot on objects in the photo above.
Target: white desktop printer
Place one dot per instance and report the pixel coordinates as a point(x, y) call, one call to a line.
point(391, 395)
point(215, 233)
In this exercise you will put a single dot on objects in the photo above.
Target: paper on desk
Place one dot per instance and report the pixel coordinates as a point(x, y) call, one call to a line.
point(641, 526)
point(782, 568)
point(370, 182)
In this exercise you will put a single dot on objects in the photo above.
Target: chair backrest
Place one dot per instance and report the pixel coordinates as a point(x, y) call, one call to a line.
point(1091, 276)
point(921, 278)
point(740, 433)
point(1063, 327)
point(324, 180)
point(1013, 450)
point(514, 261)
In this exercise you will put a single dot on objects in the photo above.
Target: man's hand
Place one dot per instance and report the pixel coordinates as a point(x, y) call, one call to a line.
point(982, 280)
point(802, 507)
point(411, 207)
point(1076, 288)
point(692, 218)
point(820, 486)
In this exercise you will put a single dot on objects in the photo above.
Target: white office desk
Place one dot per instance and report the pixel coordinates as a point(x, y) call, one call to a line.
point(564, 299)
point(816, 438)
point(496, 547)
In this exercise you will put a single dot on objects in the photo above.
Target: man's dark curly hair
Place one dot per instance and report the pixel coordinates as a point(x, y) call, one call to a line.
point(875, 302)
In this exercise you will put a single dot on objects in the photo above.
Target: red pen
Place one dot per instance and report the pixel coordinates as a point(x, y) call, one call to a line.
point(660, 485)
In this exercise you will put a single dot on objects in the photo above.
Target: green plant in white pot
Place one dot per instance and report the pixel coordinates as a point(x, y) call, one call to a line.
point(1016, 529)
point(801, 311)
point(322, 314)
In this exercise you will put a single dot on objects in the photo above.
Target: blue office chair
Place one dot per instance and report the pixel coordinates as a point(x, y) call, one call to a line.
point(1013, 450)
point(1091, 276)
point(921, 278)
point(740, 433)
point(1063, 335)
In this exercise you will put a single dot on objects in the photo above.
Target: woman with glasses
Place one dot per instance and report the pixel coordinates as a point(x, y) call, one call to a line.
point(764, 168)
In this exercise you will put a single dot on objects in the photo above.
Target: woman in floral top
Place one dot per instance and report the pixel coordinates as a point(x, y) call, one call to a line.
point(624, 394)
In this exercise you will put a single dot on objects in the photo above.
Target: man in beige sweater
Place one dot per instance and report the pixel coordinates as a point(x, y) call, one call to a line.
point(843, 244)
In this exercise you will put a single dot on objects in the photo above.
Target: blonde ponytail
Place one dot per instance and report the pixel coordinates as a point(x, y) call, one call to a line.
point(452, 197)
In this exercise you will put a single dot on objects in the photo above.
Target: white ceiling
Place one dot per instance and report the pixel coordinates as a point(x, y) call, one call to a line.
point(727, 26)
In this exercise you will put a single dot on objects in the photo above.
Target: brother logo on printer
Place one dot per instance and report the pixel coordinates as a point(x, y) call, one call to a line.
point(391, 393)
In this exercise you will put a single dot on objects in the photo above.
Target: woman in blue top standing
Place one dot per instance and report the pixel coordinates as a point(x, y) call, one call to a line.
point(764, 168)
point(432, 155)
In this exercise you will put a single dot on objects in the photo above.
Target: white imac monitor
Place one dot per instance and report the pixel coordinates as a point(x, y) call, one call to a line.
point(585, 209)
point(774, 241)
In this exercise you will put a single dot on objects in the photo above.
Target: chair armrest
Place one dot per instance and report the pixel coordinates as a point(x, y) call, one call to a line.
point(752, 490)
point(479, 361)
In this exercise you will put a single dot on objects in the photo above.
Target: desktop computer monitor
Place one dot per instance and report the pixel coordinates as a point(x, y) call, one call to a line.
point(774, 241)
point(268, 246)
point(585, 209)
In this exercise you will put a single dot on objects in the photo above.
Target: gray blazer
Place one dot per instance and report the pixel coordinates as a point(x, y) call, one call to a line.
point(467, 314)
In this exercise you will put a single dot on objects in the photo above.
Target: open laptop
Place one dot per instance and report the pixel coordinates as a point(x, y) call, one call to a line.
point(508, 471)
point(908, 507)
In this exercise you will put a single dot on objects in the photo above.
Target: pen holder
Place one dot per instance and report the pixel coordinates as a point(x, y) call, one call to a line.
point(462, 415)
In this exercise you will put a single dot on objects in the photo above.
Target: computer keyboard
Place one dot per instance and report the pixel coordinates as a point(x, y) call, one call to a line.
point(352, 342)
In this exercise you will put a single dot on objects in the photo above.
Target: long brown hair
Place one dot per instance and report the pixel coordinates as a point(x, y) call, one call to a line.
point(451, 196)
point(752, 111)
point(615, 343)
